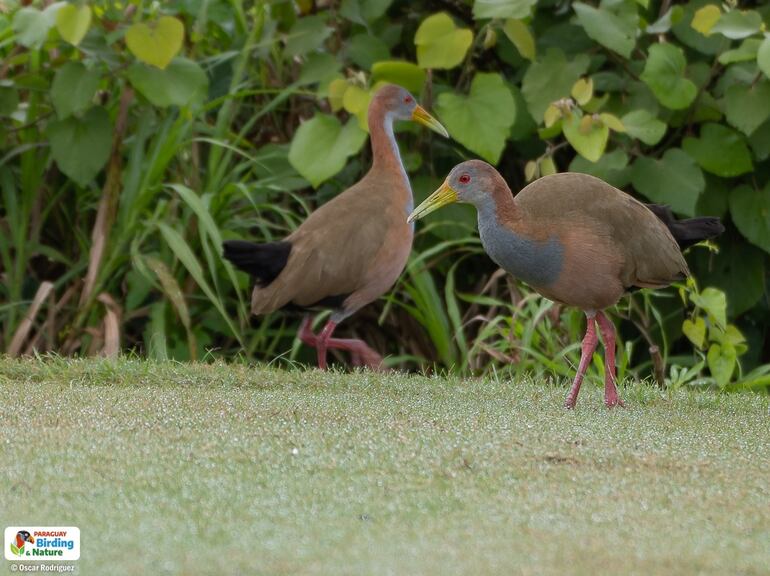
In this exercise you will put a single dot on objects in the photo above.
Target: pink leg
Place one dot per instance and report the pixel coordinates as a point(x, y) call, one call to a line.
point(322, 343)
point(607, 329)
point(360, 353)
point(589, 345)
point(306, 333)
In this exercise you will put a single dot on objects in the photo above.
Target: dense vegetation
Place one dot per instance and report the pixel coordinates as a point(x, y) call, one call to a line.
point(137, 135)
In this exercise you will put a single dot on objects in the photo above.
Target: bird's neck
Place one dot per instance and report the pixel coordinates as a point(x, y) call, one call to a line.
point(538, 263)
point(499, 206)
point(385, 153)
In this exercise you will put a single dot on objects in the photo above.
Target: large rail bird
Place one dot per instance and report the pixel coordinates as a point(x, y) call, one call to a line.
point(352, 249)
point(576, 240)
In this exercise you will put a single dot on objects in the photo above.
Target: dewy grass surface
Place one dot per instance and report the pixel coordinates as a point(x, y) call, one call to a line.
point(214, 469)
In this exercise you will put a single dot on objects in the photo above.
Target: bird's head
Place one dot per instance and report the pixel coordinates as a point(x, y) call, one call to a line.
point(472, 182)
point(398, 102)
point(23, 536)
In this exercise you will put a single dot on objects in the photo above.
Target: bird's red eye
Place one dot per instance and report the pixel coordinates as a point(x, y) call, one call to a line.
point(464, 179)
point(408, 99)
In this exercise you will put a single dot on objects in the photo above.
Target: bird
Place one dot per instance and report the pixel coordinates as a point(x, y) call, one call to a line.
point(23, 536)
point(576, 240)
point(351, 250)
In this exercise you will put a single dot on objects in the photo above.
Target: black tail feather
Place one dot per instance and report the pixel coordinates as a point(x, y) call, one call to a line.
point(263, 261)
point(690, 231)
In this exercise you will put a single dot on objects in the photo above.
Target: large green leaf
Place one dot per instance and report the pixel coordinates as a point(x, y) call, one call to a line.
point(587, 137)
point(405, 74)
point(482, 120)
point(364, 50)
point(364, 11)
point(181, 83)
point(721, 360)
point(644, 126)
point(550, 78)
point(319, 67)
point(763, 57)
point(675, 180)
point(81, 146)
point(73, 88)
point(518, 33)
point(750, 210)
point(746, 52)
point(664, 74)
point(611, 29)
point(689, 36)
point(705, 17)
point(738, 24)
point(321, 147)
point(73, 22)
point(714, 302)
point(611, 167)
point(306, 35)
point(32, 25)
point(720, 150)
point(748, 106)
point(760, 141)
point(695, 331)
point(502, 8)
point(440, 43)
point(156, 43)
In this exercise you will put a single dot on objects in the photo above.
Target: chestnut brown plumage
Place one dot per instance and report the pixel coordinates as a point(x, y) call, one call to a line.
point(352, 249)
point(576, 240)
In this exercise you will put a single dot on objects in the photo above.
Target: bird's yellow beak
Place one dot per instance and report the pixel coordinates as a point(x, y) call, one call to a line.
point(441, 197)
point(421, 116)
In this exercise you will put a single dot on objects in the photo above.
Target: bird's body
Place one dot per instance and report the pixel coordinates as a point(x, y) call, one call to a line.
point(576, 240)
point(319, 268)
point(560, 235)
point(349, 251)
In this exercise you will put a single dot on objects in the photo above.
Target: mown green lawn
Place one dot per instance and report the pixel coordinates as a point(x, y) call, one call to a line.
point(213, 469)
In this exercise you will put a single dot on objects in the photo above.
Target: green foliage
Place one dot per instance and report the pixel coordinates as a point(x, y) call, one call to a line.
point(73, 22)
point(612, 26)
point(73, 89)
point(81, 146)
point(156, 43)
point(322, 147)
point(719, 150)
point(180, 83)
point(482, 120)
point(137, 136)
point(664, 73)
point(440, 43)
point(675, 179)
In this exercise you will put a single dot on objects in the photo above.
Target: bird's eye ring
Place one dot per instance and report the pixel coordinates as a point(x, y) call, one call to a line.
point(464, 179)
point(408, 99)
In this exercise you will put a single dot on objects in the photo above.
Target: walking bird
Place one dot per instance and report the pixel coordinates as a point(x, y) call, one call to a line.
point(576, 240)
point(352, 249)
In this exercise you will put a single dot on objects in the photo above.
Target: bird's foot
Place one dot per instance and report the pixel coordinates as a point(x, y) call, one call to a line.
point(611, 400)
point(361, 355)
point(569, 403)
point(372, 360)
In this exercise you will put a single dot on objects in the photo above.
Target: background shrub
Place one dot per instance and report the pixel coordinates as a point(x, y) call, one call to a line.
point(138, 135)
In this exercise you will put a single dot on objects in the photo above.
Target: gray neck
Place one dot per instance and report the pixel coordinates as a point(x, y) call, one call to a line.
point(536, 263)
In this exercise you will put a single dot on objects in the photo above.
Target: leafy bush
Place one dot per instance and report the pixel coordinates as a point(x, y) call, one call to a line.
point(139, 135)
